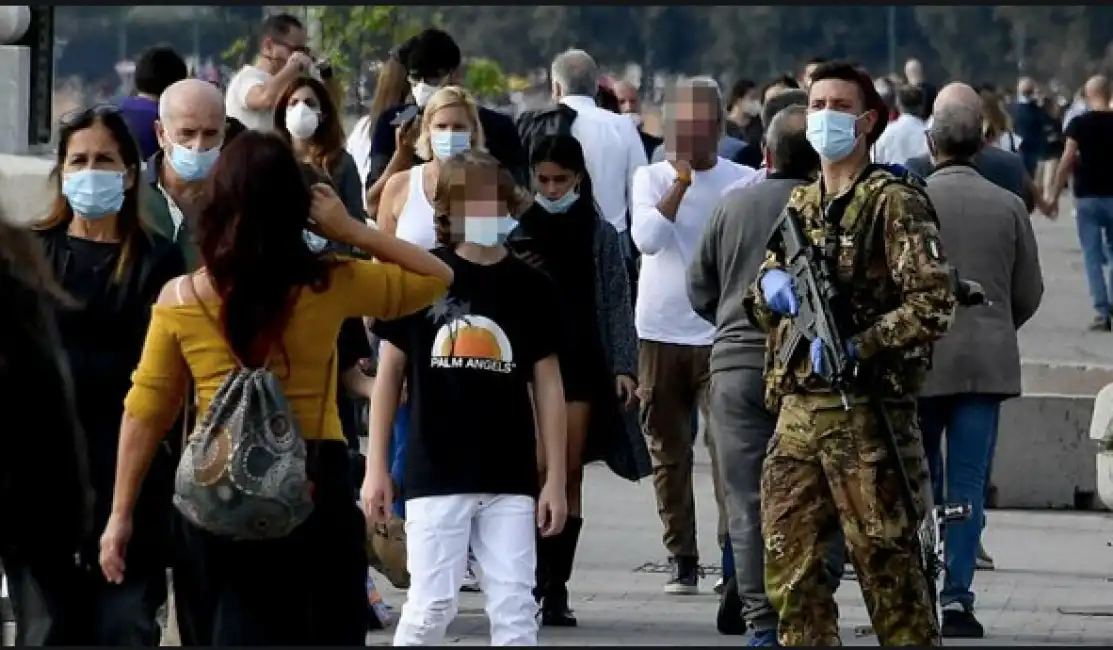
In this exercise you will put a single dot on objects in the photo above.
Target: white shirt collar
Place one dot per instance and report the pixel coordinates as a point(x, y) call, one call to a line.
point(578, 101)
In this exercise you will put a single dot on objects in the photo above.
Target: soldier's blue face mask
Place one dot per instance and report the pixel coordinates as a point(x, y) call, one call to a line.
point(832, 133)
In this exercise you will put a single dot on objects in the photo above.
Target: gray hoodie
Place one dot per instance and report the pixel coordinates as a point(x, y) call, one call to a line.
point(726, 263)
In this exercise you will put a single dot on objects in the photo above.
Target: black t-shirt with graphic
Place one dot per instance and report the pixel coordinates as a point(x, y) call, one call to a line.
point(470, 360)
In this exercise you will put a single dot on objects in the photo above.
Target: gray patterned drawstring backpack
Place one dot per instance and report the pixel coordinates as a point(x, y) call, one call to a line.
point(243, 471)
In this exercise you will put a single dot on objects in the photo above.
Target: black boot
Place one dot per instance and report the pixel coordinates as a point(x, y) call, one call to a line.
point(554, 602)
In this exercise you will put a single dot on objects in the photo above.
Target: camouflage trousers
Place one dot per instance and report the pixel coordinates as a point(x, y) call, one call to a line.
point(828, 467)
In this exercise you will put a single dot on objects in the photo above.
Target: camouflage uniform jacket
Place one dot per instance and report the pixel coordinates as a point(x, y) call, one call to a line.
point(892, 273)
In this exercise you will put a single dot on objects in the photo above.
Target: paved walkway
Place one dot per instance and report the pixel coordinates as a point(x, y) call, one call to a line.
point(1049, 564)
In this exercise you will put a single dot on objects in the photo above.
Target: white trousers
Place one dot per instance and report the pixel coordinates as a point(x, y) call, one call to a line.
point(501, 532)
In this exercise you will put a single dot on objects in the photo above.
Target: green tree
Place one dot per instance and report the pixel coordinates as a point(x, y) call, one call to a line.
point(484, 78)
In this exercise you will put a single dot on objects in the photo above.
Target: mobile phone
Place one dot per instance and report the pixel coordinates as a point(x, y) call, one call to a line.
point(407, 115)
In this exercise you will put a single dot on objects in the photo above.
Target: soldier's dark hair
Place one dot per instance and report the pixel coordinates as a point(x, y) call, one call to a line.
point(816, 60)
point(910, 99)
point(871, 99)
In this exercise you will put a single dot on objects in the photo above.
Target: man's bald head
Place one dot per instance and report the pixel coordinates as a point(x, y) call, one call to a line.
point(628, 99)
point(189, 95)
point(1097, 92)
point(957, 94)
point(190, 116)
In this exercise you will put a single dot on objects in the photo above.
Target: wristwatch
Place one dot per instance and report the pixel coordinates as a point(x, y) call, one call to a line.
point(684, 178)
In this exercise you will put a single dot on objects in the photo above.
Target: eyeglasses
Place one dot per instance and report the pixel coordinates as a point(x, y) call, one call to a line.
point(69, 120)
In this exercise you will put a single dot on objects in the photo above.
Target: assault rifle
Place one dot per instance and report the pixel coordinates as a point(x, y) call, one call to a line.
point(817, 294)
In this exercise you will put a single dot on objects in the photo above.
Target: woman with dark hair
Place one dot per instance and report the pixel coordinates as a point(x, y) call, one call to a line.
point(103, 256)
point(484, 391)
point(44, 461)
point(262, 299)
point(306, 117)
point(564, 233)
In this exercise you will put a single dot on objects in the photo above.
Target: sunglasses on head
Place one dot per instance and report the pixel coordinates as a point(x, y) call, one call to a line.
point(85, 114)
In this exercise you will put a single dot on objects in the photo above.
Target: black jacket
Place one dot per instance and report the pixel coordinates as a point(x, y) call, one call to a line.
point(46, 497)
point(103, 343)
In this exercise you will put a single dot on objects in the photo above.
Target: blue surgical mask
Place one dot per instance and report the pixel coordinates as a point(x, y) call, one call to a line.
point(557, 206)
point(831, 134)
point(446, 144)
point(487, 231)
point(315, 242)
point(94, 193)
point(192, 165)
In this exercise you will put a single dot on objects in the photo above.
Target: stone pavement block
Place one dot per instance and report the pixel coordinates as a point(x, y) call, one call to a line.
point(1046, 561)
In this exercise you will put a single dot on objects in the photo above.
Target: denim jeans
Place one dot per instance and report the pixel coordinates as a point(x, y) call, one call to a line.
point(970, 422)
point(398, 437)
point(1094, 217)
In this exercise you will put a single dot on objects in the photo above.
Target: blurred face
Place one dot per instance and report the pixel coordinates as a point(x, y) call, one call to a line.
point(94, 148)
point(628, 100)
point(554, 181)
point(695, 131)
point(481, 195)
point(279, 49)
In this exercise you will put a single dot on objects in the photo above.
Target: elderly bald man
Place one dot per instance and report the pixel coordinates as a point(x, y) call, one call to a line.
point(190, 130)
point(1004, 169)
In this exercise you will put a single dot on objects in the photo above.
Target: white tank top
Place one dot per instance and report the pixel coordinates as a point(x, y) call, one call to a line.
point(416, 224)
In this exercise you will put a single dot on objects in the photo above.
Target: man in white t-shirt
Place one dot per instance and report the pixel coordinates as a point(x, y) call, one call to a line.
point(672, 200)
point(283, 55)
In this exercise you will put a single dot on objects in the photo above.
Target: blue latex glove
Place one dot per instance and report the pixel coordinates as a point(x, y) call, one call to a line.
point(779, 291)
point(816, 354)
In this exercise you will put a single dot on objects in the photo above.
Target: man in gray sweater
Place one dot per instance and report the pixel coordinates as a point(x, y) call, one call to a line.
point(724, 265)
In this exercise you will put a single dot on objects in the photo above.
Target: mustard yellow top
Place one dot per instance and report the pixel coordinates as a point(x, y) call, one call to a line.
point(182, 342)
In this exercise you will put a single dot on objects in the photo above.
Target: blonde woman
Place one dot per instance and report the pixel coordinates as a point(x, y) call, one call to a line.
point(449, 126)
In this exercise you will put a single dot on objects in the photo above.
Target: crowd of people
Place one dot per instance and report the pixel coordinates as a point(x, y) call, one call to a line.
point(257, 343)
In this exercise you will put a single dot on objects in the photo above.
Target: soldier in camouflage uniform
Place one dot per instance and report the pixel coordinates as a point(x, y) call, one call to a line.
point(827, 464)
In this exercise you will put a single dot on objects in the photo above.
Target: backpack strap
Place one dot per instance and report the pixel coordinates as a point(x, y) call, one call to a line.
point(212, 319)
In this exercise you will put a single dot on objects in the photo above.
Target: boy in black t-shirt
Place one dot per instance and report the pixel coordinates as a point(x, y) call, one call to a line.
point(484, 385)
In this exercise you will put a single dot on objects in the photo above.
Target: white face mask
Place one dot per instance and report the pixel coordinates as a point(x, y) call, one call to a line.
point(302, 121)
point(487, 231)
point(422, 92)
point(636, 118)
